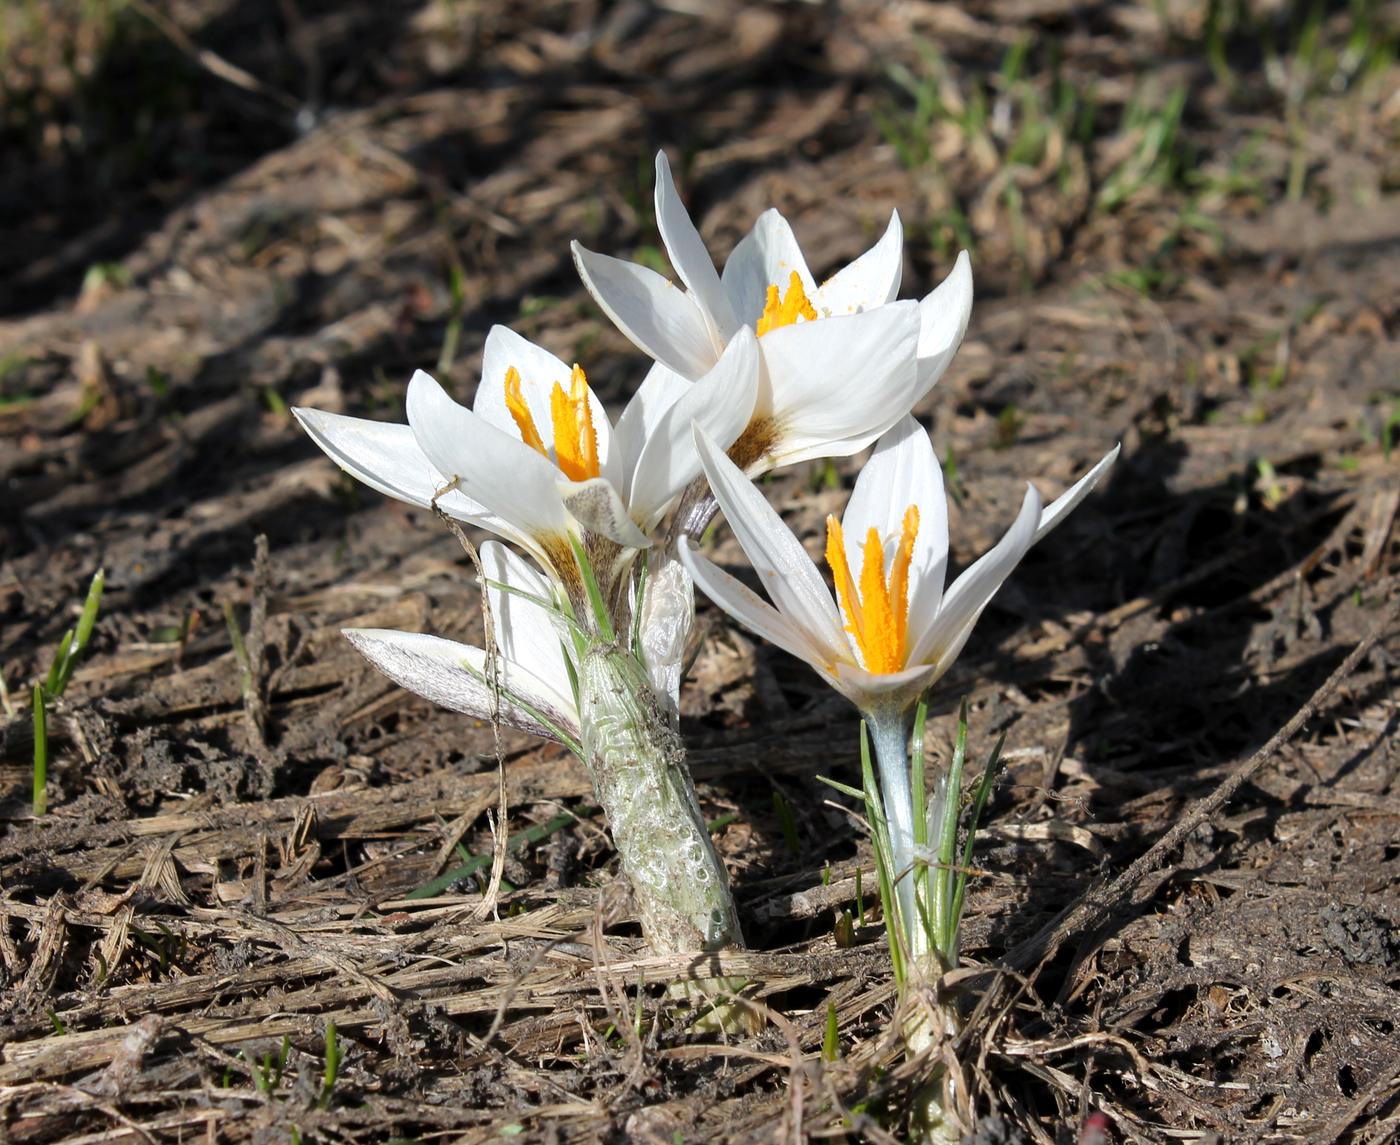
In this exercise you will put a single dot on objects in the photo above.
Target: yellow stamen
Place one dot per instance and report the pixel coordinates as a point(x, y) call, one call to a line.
point(524, 419)
point(878, 614)
point(786, 309)
point(575, 440)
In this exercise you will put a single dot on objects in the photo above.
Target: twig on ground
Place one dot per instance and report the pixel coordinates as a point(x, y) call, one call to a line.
point(212, 62)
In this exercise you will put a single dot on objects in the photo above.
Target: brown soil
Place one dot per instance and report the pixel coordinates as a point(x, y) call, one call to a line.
point(212, 211)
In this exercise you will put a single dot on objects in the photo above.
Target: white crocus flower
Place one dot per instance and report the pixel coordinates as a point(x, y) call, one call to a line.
point(536, 459)
point(892, 630)
point(535, 689)
point(841, 360)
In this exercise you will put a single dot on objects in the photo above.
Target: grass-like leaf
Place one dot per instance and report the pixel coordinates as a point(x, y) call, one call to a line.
point(601, 616)
point(41, 752)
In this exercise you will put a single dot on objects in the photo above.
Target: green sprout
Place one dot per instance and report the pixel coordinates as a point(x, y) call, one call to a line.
point(333, 1059)
point(66, 656)
point(831, 1039)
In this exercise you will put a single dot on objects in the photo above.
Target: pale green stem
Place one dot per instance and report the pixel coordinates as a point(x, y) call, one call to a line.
point(889, 732)
point(933, 1122)
point(637, 765)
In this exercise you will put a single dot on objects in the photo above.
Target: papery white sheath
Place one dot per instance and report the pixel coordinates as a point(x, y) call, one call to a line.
point(535, 688)
point(841, 360)
point(536, 459)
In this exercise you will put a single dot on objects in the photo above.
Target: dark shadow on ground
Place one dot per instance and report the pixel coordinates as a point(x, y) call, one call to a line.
point(145, 126)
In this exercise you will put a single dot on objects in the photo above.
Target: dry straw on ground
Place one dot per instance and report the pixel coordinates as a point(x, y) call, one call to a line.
point(1188, 915)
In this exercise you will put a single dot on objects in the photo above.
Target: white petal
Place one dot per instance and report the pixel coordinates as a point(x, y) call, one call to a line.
point(903, 471)
point(526, 633)
point(691, 260)
point(597, 506)
point(868, 689)
point(784, 569)
point(751, 610)
point(837, 384)
point(501, 472)
point(720, 403)
point(451, 674)
point(386, 457)
point(659, 391)
point(1063, 505)
point(872, 280)
point(662, 320)
point(764, 257)
point(540, 371)
point(943, 318)
point(940, 644)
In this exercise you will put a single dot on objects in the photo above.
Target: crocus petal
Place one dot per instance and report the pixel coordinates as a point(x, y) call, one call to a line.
point(691, 260)
point(597, 506)
point(453, 675)
point(720, 403)
point(1063, 505)
point(526, 633)
point(659, 391)
point(872, 280)
point(386, 457)
point(499, 471)
point(837, 384)
point(662, 320)
point(967, 596)
point(540, 371)
point(943, 318)
point(903, 471)
point(869, 690)
point(764, 257)
point(751, 610)
point(785, 570)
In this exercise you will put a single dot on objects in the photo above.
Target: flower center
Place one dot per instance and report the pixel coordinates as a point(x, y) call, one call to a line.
point(877, 614)
point(785, 309)
point(575, 441)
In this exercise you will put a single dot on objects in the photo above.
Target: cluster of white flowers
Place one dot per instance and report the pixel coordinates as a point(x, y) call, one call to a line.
point(754, 367)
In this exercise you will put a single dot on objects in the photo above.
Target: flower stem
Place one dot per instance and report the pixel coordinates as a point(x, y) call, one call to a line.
point(889, 731)
point(928, 1021)
point(935, 1121)
point(637, 765)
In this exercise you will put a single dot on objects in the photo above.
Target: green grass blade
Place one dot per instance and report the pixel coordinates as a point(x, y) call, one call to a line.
point(831, 1039)
point(787, 821)
point(947, 840)
point(60, 661)
point(332, 1072)
point(41, 752)
point(636, 640)
point(919, 803)
point(83, 633)
point(595, 594)
point(918, 791)
point(843, 788)
point(530, 710)
point(974, 820)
